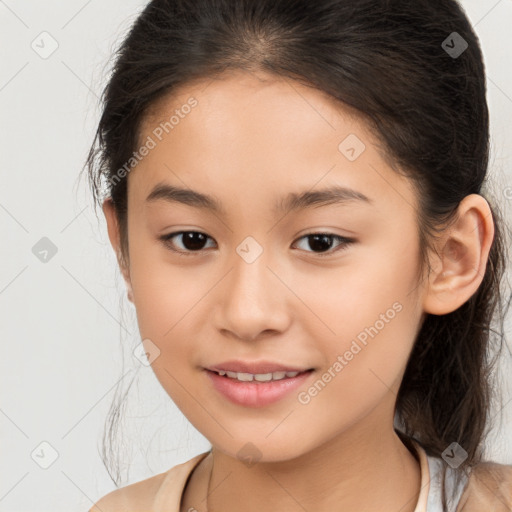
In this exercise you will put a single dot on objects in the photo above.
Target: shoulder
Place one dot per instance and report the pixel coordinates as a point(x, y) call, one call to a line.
point(153, 494)
point(137, 496)
point(489, 488)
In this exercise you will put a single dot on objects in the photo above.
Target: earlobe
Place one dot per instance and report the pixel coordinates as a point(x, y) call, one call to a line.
point(461, 259)
point(115, 240)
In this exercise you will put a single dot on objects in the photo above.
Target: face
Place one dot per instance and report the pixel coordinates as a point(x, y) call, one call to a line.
point(254, 283)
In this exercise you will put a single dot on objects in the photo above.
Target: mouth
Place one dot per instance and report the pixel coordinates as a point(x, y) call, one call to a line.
point(257, 390)
point(261, 369)
point(259, 377)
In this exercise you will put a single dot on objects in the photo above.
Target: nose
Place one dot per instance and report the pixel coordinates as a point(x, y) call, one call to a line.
point(252, 301)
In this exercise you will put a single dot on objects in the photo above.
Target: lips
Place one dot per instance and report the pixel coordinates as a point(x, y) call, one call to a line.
point(257, 394)
point(260, 367)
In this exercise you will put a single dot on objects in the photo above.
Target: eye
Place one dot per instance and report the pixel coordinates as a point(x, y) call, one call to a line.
point(192, 241)
point(323, 241)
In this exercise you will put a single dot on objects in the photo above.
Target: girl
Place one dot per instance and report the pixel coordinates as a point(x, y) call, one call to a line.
point(329, 331)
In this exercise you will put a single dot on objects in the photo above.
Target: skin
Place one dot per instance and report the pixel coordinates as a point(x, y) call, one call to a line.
point(251, 140)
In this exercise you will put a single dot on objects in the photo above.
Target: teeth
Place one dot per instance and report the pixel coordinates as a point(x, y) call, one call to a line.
point(261, 377)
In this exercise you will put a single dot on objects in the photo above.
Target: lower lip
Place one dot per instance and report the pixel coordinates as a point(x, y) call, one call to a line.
point(255, 393)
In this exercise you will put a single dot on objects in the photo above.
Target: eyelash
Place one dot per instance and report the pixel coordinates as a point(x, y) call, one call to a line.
point(344, 243)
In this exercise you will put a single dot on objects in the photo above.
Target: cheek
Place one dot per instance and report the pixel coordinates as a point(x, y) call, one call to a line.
point(373, 279)
point(167, 301)
point(364, 364)
point(163, 291)
point(369, 313)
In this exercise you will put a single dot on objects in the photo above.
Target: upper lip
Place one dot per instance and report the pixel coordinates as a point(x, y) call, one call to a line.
point(255, 367)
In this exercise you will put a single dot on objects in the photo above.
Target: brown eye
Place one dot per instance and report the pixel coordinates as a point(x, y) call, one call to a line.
point(191, 241)
point(322, 242)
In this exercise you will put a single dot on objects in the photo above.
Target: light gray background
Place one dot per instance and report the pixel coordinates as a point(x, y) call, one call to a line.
point(63, 322)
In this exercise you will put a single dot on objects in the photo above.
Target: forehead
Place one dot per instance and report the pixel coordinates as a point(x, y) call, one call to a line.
point(239, 99)
point(263, 133)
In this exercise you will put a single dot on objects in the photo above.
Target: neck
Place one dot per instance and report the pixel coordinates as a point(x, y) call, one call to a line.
point(363, 472)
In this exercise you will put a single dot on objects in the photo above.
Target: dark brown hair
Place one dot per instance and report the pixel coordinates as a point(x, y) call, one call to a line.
point(386, 60)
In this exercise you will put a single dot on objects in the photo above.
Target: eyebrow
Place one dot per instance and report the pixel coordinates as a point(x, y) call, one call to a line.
point(293, 201)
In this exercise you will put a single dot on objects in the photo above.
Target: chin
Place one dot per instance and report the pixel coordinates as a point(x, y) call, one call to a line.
point(257, 449)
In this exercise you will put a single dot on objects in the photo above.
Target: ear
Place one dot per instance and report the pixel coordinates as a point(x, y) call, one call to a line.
point(115, 240)
point(461, 259)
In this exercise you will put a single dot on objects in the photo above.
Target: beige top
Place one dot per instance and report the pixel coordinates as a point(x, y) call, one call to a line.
point(489, 489)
